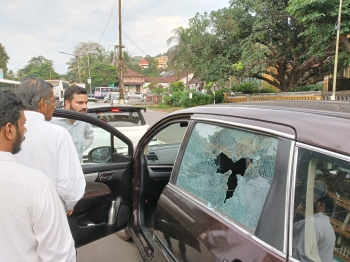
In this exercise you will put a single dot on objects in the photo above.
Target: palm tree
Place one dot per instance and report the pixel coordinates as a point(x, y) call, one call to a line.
point(180, 53)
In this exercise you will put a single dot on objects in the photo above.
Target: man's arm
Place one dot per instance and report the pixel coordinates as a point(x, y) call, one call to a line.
point(70, 177)
point(51, 229)
point(88, 135)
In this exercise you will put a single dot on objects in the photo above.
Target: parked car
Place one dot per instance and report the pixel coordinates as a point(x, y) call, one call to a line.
point(132, 95)
point(262, 181)
point(128, 120)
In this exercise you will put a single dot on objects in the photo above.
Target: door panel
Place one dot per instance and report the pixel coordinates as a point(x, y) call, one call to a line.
point(108, 175)
point(226, 195)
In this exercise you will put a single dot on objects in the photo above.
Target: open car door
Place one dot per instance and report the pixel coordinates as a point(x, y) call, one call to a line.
point(107, 164)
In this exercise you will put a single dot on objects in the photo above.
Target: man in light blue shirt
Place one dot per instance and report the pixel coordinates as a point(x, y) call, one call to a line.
point(75, 98)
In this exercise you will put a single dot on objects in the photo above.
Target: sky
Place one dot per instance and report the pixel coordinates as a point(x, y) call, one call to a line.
point(29, 28)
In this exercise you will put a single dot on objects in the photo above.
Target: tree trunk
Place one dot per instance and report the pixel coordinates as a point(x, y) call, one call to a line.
point(345, 42)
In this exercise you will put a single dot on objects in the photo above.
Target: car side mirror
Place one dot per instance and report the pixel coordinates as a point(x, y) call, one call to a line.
point(100, 155)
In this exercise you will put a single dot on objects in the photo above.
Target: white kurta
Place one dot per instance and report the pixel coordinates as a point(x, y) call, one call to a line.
point(50, 149)
point(81, 132)
point(33, 223)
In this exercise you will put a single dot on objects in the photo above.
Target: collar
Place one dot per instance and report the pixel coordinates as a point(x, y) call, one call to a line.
point(321, 215)
point(33, 115)
point(65, 120)
point(7, 156)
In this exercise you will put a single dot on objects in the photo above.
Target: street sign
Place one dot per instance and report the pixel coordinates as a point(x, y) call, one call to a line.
point(89, 81)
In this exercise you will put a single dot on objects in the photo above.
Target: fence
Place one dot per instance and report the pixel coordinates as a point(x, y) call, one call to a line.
point(316, 95)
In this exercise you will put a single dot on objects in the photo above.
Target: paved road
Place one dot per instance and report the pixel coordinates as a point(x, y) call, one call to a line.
point(109, 249)
point(112, 248)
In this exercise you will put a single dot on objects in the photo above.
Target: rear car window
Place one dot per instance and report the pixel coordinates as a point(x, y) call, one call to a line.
point(231, 170)
point(117, 118)
point(321, 230)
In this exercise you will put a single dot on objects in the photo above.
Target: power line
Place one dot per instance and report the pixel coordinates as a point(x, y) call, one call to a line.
point(135, 44)
point(109, 18)
point(106, 13)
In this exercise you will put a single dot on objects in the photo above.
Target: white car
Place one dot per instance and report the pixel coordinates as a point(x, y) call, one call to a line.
point(126, 119)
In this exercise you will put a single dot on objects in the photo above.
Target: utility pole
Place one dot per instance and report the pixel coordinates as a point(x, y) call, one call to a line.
point(77, 58)
point(120, 62)
point(89, 80)
point(337, 27)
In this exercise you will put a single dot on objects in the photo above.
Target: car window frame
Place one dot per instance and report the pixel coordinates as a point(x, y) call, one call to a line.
point(320, 150)
point(260, 129)
point(63, 113)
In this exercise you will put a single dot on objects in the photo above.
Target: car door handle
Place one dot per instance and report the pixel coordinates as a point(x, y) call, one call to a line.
point(105, 176)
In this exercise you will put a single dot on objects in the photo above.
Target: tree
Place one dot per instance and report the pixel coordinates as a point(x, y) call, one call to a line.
point(319, 18)
point(176, 87)
point(103, 74)
point(11, 75)
point(180, 53)
point(39, 67)
point(4, 58)
point(152, 69)
point(88, 54)
point(260, 35)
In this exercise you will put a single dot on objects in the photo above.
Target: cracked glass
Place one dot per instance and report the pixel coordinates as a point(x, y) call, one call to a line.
point(231, 170)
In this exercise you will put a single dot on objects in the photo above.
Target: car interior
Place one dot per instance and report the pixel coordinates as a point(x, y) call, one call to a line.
point(108, 178)
point(108, 172)
point(156, 167)
point(322, 185)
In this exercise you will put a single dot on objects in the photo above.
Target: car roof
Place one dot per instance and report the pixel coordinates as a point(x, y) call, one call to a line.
point(124, 108)
point(324, 124)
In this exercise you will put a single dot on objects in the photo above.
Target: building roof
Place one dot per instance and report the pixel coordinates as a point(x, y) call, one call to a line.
point(143, 62)
point(129, 73)
point(194, 81)
point(161, 79)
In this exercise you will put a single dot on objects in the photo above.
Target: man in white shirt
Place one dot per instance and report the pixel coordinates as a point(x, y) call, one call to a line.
point(314, 237)
point(75, 98)
point(33, 223)
point(49, 148)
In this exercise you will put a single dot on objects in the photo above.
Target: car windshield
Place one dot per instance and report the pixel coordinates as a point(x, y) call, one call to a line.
point(118, 118)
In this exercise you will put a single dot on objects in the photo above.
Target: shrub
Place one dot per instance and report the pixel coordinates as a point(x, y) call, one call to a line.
point(246, 88)
point(267, 90)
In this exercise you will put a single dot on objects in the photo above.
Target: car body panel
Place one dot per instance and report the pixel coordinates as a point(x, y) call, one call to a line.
point(169, 223)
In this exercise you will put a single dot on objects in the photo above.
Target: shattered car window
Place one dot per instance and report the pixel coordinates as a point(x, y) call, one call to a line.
point(230, 169)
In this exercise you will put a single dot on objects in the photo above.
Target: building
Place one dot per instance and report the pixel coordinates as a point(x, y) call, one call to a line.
point(133, 81)
point(143, 63)
point(162, 62)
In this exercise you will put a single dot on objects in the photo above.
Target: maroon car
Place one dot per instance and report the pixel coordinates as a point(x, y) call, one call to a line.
point(262, 181)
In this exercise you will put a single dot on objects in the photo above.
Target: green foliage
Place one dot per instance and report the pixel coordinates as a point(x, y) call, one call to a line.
point(246, 87)
point(86, 55)
point(181, 99)
point(163, 106)
point(152, 69)
point(102, 74)
point(219, 96)
point(176, 87)
point(319, 18)
point(39, 67)
point(267, 90)
point(4, 58)
point(312, 87)
point(262, 39)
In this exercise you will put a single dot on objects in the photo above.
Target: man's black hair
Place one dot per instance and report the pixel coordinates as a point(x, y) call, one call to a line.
point(72, 90)
point(329, 202)
point(10, 107)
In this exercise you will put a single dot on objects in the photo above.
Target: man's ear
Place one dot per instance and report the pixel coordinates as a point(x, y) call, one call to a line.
point(42, 104)
point(9, 131)
point(66, 104)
